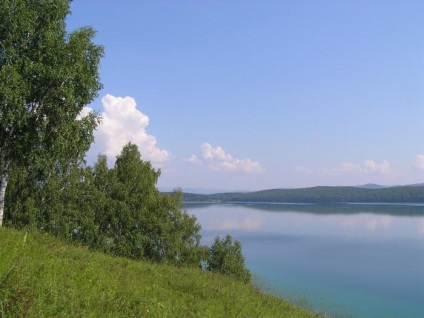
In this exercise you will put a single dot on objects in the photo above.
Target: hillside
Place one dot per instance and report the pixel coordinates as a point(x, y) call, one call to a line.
point(42, 277)
point(399, 194)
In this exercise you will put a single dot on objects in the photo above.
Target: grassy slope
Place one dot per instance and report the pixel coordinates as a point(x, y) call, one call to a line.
point(43, 277)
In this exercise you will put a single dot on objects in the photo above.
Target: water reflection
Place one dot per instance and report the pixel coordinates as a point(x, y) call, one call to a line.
point(421, 228)
point(342, 259)
point(333, 208)
point(334, 219)
point(245, 223)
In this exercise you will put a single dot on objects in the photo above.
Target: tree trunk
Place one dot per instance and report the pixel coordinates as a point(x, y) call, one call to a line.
point(3, 183)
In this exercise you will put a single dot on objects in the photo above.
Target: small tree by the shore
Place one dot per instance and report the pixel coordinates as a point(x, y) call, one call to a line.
point(225, 257)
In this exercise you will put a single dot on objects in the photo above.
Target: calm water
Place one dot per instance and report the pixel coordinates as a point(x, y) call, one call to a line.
point(342, 260)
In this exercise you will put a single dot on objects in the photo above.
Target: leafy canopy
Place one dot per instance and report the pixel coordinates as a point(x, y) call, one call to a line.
point(117, 210)
point(47, 76)
point(225, 257)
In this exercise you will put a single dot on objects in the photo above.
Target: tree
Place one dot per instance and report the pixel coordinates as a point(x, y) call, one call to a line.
point(141, 222)
point(225, 257)
point(47, 76)
point(57, 200)
point(118, 211)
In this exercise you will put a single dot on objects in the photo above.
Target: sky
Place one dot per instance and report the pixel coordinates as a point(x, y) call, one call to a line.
point(257, 94)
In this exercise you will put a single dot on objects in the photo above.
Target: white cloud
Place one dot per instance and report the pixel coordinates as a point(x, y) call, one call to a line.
point(121, 123)
point(302, 170)
point(372, 166)
point(419, 162)
point(218, 159)
point(369, 167)
point(195, 160)
point(84, 112)
point(344, 168)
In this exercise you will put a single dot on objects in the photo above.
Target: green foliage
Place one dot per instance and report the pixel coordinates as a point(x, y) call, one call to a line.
point(118, 210)
point(225, 257)
point(50, 199)
point(47, 76)
point(41, 276)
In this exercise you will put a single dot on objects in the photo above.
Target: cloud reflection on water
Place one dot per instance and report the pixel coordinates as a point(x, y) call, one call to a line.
point(370, 222)
point(249, 223)
point(421, 228)
point(247, 218)
point(341, 257)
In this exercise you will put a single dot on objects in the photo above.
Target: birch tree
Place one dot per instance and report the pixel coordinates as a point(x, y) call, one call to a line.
point(47, 76)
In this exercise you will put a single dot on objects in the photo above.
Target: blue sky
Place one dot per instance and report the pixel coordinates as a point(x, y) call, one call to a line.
point(246, 95)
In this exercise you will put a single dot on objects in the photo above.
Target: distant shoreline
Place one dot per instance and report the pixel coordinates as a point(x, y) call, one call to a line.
point(400, 204)
point(323, 194)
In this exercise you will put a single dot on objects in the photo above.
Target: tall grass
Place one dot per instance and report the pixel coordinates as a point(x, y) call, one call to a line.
point(42, 277)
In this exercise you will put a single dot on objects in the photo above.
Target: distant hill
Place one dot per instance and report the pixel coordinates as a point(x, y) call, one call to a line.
point(417, 185)
point(321, 194)
point(378, 186)
point(371, 186)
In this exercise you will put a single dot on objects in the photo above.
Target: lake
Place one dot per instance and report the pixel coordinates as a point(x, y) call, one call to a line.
point(344, 260)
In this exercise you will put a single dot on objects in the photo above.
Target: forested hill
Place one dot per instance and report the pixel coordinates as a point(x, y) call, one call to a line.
point(321, 194)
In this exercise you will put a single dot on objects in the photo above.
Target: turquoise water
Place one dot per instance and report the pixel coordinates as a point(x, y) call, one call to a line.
point(342, 260)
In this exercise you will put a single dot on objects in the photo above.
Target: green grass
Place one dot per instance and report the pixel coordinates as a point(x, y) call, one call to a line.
point(40, 276)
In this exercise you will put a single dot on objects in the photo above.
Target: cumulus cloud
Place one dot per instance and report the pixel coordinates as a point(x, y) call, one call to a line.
point(194, 160)
point(419, 162)
point(369, 167)
point(372, 166)
point(302, 170)
point(218, 159)
point(121, 123)
point(84, 112)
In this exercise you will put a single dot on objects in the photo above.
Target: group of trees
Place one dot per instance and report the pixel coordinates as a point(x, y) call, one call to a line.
point(47, 76)
point(116, 210)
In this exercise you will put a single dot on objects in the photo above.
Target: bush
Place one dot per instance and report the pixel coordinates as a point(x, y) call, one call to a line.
point(225, 257)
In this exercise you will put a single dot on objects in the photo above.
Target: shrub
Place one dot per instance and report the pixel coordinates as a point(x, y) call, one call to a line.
point(225, 257)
